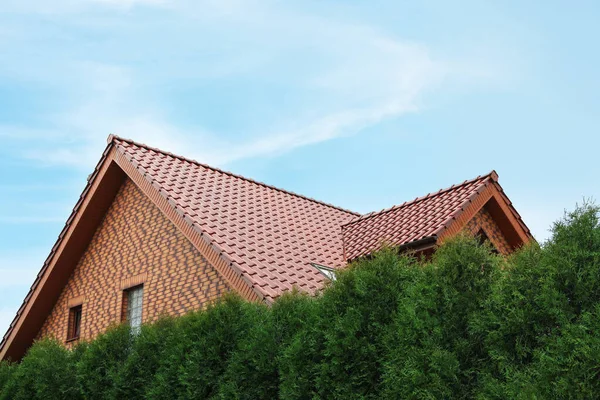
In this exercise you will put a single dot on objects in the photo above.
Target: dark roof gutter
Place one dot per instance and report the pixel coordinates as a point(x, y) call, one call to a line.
point(417, 245)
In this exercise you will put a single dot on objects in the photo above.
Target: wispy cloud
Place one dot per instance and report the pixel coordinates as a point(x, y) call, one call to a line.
point(326, 128)
point(326, 78)
point(58, 7)
point(130, 3)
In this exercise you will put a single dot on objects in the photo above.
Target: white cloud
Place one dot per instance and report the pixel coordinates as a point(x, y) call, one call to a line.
point(339, 77)
point(323, 129)
point(130, 3)
point(58, 7)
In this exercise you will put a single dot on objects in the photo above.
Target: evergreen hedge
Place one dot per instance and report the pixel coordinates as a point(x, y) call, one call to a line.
point(466, 323)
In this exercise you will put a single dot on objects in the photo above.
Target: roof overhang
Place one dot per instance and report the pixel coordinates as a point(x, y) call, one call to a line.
point(97, 196)
point(99, 193)
point(115, 166)
point(491, 196)
point(501, 209)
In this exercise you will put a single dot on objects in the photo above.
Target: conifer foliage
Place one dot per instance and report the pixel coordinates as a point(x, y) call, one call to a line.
point(466, 323)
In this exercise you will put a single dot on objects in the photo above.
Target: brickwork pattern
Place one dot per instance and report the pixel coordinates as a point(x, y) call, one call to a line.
point(267, 235)
point(483, 220)
point(135, 243)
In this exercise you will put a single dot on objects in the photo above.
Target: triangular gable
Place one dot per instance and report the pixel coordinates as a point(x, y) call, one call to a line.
point(497, 203)
point(276, 245)
point(425, 221)
point(262, 240)
point(101, 188)
point(269, 236)
point(199, 238)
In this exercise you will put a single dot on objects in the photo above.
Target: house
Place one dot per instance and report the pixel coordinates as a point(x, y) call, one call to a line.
point(156, 233)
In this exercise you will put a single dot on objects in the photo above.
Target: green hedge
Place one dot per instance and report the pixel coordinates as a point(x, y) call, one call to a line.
point(465, 324)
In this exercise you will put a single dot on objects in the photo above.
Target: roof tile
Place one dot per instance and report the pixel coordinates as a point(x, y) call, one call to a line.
point(272, 235)
point(419, 219)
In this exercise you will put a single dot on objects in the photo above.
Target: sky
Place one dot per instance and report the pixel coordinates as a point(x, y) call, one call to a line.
point(360, 104)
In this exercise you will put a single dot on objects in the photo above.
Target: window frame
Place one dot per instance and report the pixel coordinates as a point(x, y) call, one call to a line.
point(328, 272)
point(127, 308)
point(74, 323)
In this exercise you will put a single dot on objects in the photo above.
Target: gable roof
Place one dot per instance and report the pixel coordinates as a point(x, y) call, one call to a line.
point(261, 239)
point(418, 220)
point(270, 235)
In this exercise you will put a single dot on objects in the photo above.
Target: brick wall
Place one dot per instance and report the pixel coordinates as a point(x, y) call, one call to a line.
point(483, 220)
point(135, 244)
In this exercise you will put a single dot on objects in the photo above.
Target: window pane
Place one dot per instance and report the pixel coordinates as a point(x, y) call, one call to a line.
point(77, 322)
point(74, 323)
point(134, 307)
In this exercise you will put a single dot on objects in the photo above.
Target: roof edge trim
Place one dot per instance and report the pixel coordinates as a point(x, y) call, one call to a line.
point(114, 138)
point(56, 249)
point(202, 241)
point(491, 175)
point(475, 203)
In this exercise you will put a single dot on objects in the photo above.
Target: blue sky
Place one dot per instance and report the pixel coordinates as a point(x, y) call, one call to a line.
point(361, 104)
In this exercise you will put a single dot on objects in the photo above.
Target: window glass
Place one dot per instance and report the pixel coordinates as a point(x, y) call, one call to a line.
point(74, 323)
point(134, 307)
point(327, 271)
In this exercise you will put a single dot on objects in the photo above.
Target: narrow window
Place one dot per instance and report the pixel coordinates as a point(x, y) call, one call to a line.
point(74, 329)
point(483, 238)
point(133, 307)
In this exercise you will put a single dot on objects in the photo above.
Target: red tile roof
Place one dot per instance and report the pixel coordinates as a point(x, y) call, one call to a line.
point(422, 218)
point(272, 236)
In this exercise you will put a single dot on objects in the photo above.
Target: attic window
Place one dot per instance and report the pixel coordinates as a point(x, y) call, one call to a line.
point(74, 329)
point(327, 271)
point(483, 238)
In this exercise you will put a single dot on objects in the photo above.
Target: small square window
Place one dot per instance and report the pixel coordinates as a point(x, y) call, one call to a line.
point(132, 307)
point(74, 329)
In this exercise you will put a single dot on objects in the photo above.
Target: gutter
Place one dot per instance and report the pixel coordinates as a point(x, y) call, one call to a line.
point(417, 245)
point(421, 244)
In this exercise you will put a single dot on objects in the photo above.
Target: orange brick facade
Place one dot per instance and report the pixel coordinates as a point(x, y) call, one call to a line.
point(148, 217)
point(135, 244)
point(483, 220)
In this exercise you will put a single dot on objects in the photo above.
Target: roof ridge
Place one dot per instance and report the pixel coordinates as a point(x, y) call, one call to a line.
point(113, 137)
point(492, 175)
